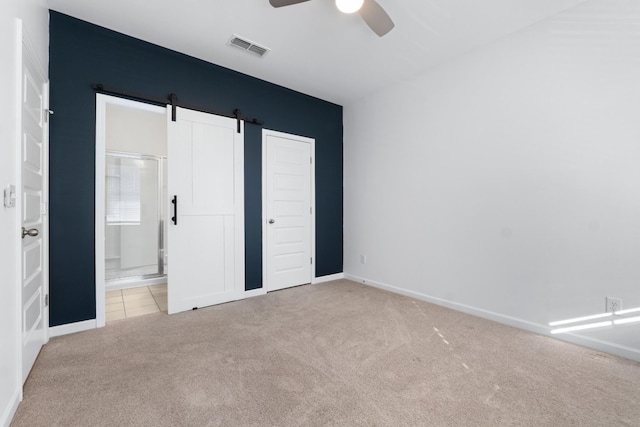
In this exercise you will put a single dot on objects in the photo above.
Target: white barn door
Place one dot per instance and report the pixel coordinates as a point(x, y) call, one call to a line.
point(287, 209)
point(33, 195)
point(206, 222)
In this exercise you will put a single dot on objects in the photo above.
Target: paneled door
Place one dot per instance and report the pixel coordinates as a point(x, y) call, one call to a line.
point(34, 98)
point(288, 210)
point(206, 213)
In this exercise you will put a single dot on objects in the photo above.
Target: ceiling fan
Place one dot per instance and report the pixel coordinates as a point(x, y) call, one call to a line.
point(372, 13)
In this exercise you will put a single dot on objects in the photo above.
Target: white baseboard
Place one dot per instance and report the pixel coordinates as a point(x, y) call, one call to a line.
point(72, 328)
point(322, 279)
point(12, 407)
point(255, 292)
point(606, 347)
point(328, 278)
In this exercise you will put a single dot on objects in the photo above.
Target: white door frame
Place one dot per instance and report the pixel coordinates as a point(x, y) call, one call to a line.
point(101, 141)
point(312, 142)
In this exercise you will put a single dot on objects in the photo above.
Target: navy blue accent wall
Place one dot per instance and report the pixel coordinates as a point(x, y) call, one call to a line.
point(82, 54)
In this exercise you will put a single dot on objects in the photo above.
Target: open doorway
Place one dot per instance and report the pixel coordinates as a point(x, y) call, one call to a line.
point(131, 189)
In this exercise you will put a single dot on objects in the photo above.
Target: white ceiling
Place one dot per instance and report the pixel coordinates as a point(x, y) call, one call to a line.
point(315, 49)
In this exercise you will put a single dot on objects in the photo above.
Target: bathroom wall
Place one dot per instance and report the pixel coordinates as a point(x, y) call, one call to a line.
point(132, 249)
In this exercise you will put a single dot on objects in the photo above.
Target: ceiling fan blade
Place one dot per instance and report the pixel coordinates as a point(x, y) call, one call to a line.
point(280, 3)
point(376, 18)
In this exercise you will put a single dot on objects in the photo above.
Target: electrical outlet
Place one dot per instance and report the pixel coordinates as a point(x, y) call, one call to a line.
point(613, 304)
point(363, 259)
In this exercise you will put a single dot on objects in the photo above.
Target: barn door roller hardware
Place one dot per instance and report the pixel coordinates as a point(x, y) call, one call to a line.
point(172, 100)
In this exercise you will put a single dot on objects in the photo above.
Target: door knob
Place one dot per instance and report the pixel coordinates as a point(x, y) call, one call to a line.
point(32, 232)
point(271, 221)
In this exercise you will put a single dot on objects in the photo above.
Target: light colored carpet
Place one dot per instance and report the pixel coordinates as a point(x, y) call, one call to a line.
point(339, 354)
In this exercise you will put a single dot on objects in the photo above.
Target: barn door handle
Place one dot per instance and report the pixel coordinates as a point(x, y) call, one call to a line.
point(174, 218)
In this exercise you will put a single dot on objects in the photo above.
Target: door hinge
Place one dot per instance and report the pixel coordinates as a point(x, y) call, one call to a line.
point(311, 260)
point(46, 300)
point(310, 210)
point(47, 113)
point(311, 160)
point(44, 208)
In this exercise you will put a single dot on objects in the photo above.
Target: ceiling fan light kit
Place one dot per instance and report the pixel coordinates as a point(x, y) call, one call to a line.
point(349, 6)
point(371, 12)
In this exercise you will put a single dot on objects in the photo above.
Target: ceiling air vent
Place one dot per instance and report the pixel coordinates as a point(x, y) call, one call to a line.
point(247, 45)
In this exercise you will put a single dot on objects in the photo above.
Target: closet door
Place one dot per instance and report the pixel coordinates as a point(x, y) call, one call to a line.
point(288, 222)
point(206, 211)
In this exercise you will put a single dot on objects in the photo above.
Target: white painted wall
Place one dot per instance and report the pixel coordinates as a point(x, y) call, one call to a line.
point(136, 131)
point(35, 19)
point(507, 183)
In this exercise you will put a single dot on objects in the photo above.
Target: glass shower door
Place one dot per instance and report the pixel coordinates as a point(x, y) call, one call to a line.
point(134, 226)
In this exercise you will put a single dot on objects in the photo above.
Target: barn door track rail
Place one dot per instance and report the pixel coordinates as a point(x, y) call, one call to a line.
point(172, 100)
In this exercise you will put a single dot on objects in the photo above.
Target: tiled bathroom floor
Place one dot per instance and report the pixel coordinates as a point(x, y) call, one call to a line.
point(133, 302)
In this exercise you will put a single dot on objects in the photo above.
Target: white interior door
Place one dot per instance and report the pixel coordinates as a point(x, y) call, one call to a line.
point(206, 176)
point(288, 210)
point(34, 94)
